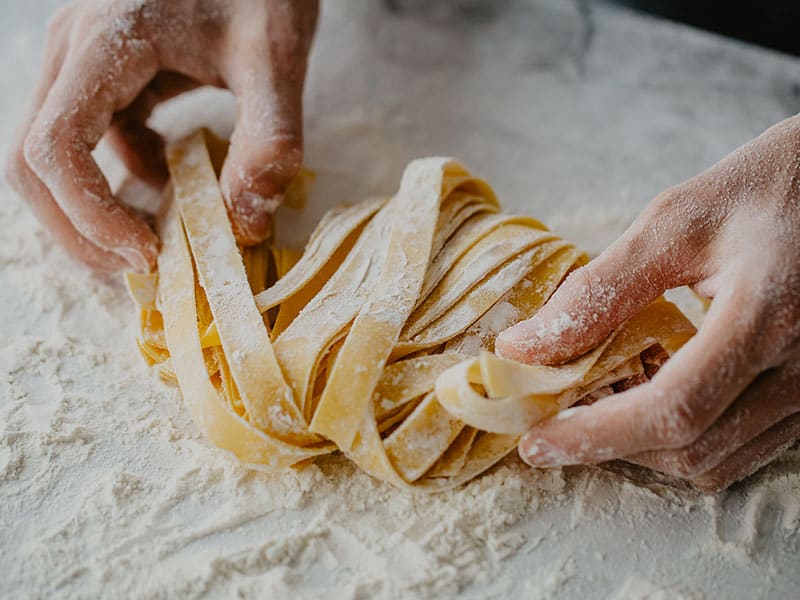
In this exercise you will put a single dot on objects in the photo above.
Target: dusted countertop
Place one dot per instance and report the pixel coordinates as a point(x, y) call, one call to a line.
point(577, 113)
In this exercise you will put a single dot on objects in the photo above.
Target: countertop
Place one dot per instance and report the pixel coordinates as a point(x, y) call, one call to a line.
point(577, 113)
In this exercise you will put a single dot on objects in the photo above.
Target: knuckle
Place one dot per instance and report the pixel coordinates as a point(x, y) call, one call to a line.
point(781, 313)
point(39, 145)
point(135, 18)
point(685, 425)
point(674, 423)
point(680, 212)
point(680, 227)
point(650, 262)
point(670, 199)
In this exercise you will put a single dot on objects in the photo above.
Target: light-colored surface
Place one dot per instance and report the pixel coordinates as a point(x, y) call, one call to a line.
point(105, 490)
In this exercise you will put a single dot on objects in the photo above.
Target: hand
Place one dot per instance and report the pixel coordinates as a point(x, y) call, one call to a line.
point(107, 64)
point(728, 401)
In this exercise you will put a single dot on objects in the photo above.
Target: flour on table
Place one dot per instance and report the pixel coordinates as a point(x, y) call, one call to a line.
point(107, 490)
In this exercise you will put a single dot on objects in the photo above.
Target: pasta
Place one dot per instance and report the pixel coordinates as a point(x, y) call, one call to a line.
point(377, 340)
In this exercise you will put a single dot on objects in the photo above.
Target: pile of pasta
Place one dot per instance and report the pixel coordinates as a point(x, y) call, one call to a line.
point(377, 340)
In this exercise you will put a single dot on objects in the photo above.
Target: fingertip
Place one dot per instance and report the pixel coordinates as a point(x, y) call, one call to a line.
point(520, 342)
point(538, 451)
point(254, 218)
point(541, 340)
point(253, 182)
point(135, 259)
point(141, 253)
point(251, 214)
point(541, 453)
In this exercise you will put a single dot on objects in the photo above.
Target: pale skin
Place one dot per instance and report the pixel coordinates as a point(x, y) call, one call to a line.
point(728, 401)
point(108, 64)
point(724, 405)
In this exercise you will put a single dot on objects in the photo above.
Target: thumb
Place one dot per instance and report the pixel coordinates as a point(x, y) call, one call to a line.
point(593, 301)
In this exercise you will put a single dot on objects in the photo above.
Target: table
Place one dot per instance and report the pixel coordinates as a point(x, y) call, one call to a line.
point(576, 112)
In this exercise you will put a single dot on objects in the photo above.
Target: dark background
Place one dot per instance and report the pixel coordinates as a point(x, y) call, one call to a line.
point(771, 23)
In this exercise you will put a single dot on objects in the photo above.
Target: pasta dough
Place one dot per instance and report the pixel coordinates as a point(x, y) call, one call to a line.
point(377, 340)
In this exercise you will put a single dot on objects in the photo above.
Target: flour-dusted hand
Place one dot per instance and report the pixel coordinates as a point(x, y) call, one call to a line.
point(107, 64)
point(728, 401)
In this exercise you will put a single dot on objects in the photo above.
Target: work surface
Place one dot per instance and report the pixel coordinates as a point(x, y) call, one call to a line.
point(577, 113)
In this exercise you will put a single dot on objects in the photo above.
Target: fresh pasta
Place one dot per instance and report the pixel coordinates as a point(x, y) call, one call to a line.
point(377, 340)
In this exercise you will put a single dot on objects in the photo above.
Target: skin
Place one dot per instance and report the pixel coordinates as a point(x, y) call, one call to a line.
point(727, 402)
point(108, 64)
point(723, 406)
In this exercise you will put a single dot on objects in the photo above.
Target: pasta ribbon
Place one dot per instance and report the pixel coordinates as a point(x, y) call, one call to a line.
point(378, 339)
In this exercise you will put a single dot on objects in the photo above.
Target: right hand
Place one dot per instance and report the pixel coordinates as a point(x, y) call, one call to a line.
point(107, 64)
point(727, 402)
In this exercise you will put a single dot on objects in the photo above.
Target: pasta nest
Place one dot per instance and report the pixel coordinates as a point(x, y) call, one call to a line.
point(378, 339)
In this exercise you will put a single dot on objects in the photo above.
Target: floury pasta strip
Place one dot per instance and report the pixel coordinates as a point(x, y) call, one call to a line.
point(378, 339)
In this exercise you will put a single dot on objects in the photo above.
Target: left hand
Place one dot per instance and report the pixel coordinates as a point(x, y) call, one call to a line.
point(108, 64)
point(728, 402)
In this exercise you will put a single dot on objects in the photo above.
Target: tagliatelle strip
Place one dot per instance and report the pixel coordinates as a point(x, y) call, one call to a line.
point(377, 340)
point(178, 305)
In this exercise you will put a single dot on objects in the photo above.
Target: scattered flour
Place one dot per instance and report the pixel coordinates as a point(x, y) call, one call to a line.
point(106, 490)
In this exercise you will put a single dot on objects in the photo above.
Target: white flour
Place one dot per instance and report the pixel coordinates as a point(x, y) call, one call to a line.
point(107, 491)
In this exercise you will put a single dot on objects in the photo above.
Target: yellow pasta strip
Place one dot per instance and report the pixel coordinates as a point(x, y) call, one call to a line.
point(142, 289)
point(378, 324)
point(469, 234)
point(491, 252)
point(333, 231)
point(454, 458)
point(259, 380)
point(422, 438)
point(409, 379)
point(176, 301)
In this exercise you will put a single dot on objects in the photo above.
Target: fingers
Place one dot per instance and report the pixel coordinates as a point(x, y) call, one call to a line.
point(653, 255)
point(74, 115)
point(592, 302)
point(752, 456)
point(683, 399)
point(25, 181)
point(141, 148)
point(266, 74)
point(770, 399)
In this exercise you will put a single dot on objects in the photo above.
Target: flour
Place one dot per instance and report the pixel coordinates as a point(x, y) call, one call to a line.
point(106, 490)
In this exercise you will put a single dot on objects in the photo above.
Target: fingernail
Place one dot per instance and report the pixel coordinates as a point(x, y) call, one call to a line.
point(540, 453)
point(135, 259)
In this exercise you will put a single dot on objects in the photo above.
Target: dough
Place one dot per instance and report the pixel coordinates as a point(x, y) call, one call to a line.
point(377, 340)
